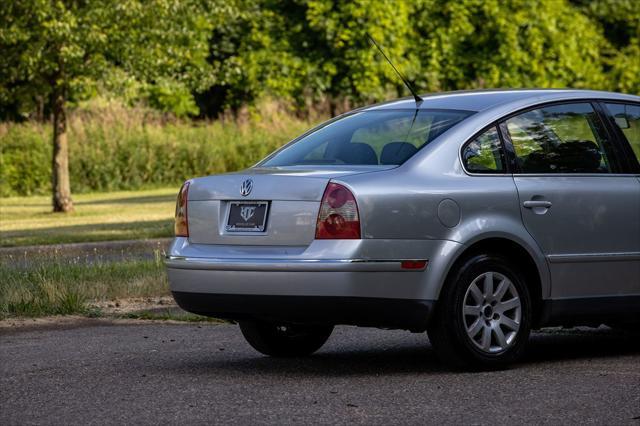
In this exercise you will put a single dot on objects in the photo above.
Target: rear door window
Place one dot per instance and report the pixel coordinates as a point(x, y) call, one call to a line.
point(627, 118)
point(567, 138)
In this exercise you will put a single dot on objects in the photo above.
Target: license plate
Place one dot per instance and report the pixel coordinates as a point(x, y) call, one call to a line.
point(247, 216)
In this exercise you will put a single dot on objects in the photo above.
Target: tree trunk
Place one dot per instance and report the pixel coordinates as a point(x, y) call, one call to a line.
point(60, 170)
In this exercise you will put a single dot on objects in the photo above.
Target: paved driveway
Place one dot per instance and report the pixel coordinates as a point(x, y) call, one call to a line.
point(98, 372)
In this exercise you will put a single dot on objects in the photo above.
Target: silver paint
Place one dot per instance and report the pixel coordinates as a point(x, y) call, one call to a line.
point(585, 243)
point(449, 213)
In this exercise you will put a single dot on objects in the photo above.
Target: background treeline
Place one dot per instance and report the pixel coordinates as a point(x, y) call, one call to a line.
point(144, 79)
point(113, 147)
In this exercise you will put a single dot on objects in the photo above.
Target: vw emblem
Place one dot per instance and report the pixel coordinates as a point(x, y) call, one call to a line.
point(246, 187)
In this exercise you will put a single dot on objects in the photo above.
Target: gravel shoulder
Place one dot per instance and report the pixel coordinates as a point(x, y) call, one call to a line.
point(96, 371)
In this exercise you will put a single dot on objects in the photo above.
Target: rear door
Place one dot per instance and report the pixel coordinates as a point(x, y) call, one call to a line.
point(576, 200)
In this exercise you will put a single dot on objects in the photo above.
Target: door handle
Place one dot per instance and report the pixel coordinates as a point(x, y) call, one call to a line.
point(531, 204)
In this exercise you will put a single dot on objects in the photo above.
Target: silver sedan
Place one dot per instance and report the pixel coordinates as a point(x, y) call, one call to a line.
point(474, 216)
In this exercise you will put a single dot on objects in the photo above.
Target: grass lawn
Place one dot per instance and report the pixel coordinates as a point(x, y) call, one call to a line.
point(69, 286)
point(73, 282)
point(122, 215)
point(55, 285)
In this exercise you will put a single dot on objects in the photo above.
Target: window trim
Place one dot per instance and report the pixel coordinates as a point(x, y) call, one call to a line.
point(503, 153)
point(622, 143)
point(610, 144)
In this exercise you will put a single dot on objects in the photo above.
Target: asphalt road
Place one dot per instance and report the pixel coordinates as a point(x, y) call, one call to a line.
point(102, 373)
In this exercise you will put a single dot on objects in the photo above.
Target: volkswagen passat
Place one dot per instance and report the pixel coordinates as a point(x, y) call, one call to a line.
point(475, 216)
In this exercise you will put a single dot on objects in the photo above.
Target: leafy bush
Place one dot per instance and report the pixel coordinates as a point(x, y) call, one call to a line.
point(117, 148)
point(25, 159)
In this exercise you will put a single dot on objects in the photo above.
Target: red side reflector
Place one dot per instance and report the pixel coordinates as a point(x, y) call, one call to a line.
point(413, 264)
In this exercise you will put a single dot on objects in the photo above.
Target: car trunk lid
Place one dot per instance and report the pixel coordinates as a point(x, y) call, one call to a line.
point(222, 209)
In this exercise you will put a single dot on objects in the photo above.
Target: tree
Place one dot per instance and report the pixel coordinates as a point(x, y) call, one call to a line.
point(59, 51)
point(310, 51)
point(468, 44)
point(620, 23)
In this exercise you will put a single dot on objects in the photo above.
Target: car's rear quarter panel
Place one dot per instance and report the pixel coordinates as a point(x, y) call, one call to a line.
point(403, 204)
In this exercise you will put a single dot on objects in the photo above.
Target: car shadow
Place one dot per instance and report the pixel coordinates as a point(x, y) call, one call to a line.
point(582, 343)
point(549, 346)
point(328, 364)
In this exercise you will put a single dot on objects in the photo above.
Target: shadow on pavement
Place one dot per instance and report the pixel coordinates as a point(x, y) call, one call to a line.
point(329, 364)
point(548, 346)
point(565, 345)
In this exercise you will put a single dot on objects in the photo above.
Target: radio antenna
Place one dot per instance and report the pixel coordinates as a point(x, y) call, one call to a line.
point(404, 80)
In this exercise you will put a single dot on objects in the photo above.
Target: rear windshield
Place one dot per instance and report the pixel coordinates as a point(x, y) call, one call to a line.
point(368, 138)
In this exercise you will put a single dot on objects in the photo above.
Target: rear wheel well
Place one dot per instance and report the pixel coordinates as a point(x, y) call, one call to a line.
point(517, 255)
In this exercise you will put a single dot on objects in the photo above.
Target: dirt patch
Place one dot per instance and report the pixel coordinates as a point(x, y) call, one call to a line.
point(125, 311)
point(128, 306)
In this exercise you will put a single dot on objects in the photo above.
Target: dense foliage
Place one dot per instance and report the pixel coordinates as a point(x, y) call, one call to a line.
point(201, 57)
point(115, 148)
point(82, 48)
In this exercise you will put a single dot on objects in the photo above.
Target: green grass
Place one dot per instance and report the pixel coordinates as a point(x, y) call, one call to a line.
point(76, 286)
point(122, 215)
point(64, 287)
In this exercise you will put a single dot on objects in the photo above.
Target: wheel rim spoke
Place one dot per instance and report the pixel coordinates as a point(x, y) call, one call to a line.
point(486, 338)
point(503, 286)
point(488, 285)
point(475, 328)
point(508, 305)
point(492, 323)
point(472, 310)
point(477, 294)
point(508, 322)
point(500, 338)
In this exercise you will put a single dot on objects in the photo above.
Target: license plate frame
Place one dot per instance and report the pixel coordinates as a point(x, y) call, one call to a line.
point(240, 215)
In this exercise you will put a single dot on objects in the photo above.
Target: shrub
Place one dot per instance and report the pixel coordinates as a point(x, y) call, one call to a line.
point(112, 147)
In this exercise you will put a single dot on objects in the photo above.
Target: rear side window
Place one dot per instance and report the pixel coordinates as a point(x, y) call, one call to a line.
point(559, 139)
point(368, 138)
point(627, 118)
point(484, 154)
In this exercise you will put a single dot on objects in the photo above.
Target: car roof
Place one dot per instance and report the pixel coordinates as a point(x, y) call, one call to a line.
point(480, 100)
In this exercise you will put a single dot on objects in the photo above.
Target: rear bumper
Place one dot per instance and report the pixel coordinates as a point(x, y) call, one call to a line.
point(358, 282)
point(289, 265)
point(376, 294)
point(286, 278)
point(362, 311)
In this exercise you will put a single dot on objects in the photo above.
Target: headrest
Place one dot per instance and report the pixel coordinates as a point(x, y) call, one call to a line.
point(577, 157)
point(357, 153)
point(397, 152)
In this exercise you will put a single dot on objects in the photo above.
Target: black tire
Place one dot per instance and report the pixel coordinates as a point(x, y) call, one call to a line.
point(285, 340)
point(448, 328)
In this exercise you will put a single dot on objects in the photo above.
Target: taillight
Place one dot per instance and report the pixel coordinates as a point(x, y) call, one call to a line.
point(181, 226)
point(338, 217)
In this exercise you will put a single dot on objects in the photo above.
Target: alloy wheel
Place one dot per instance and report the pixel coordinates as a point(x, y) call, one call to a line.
point(492, 312)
